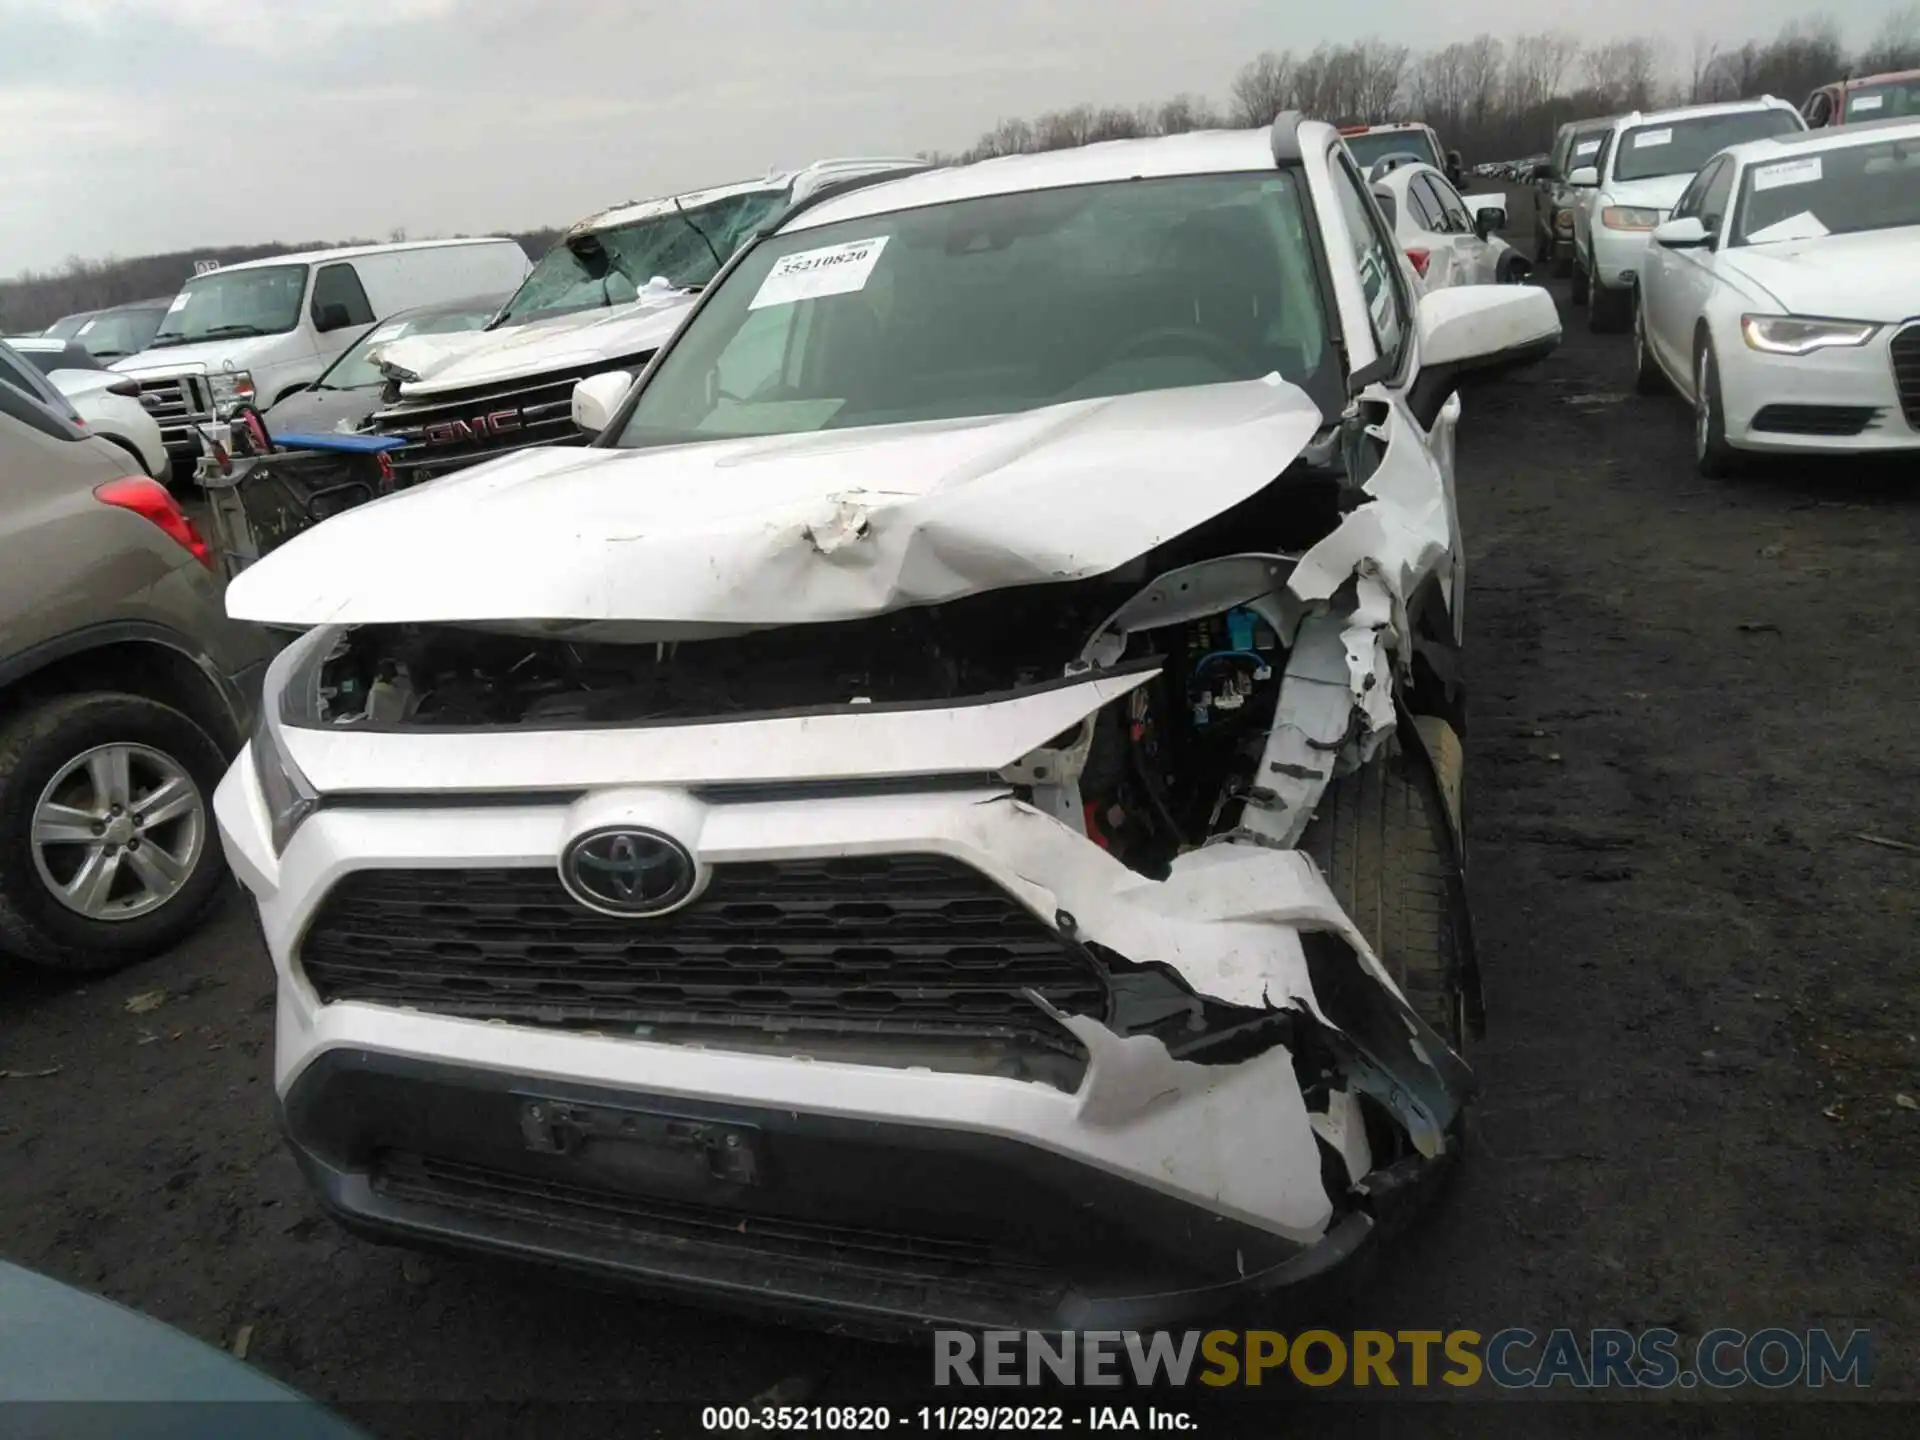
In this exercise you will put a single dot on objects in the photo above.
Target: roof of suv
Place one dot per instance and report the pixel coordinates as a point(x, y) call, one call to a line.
point(1693, 112)
point(800, 181)
point(1202, 152)
point(1830, 137)
point(355, 252)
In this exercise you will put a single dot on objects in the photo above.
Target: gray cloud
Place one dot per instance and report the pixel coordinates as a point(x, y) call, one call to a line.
point(128, 126)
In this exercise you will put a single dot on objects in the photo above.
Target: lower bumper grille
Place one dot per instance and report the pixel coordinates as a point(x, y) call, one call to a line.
point(859, 949)
point(503, 1195)
point(1906, 372)
point(1815, 419)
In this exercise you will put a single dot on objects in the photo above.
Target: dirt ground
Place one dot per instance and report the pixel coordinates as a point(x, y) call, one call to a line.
point(1691, 700)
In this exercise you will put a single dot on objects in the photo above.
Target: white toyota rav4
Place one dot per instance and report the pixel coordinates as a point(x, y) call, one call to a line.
point(947, 812)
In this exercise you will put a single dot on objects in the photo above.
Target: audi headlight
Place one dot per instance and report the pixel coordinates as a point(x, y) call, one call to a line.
point(230, 389)
point(1799, 335)
point(291, 690)
point(1629, 217)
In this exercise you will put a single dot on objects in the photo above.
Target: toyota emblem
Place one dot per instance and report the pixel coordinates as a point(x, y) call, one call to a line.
point(628, 872)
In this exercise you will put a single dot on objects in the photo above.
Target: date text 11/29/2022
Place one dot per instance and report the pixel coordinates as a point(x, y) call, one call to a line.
point(940, 1419)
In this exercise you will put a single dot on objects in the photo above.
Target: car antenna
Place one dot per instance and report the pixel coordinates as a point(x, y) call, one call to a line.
point(718, 263)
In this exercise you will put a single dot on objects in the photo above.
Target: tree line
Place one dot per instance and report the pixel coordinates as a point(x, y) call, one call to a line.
point(1490, 98)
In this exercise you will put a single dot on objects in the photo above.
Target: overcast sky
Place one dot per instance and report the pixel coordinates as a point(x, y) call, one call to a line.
point(134, 126)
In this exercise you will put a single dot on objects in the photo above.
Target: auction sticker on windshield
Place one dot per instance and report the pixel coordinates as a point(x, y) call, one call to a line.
point(1787, 172)
point(1862, 103)
point(1647, 139)
point(811, 274)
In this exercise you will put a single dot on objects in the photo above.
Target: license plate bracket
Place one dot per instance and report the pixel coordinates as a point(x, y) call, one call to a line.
point(644, 1146)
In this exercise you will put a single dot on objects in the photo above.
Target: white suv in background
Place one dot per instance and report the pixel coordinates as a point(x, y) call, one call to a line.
point(1649, 160)
point(602, 299)
point(935, 817)
point(256, 332)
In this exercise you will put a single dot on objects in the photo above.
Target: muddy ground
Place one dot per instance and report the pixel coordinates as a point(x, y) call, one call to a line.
point(1691, 700)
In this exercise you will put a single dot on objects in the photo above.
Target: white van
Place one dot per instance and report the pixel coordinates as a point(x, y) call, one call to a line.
point(255, 332)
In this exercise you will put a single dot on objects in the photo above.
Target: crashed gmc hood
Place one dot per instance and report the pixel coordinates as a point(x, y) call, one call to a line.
point(589, 338)
point(773, 531)
point(1868, 276)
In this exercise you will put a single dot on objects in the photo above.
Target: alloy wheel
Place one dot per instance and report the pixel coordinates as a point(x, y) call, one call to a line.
point(118, 831)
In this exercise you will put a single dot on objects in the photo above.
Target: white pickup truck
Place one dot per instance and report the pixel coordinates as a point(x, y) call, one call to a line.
point(604, 298)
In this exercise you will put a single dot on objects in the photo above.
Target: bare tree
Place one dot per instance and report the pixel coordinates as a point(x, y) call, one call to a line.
point(1263, 88)
point(1895, 45)
point(1704, 55)
point(1184, 113)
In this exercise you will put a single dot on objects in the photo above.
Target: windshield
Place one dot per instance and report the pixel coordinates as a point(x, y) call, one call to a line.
point(1839, 191)
point(115, 333)
point(609, 267)
point(1374, 146)
point(64, 329)
point(1884, 101)
point(235, 302)
point(354, 370)
point(1682, 147)
point(1002, 304)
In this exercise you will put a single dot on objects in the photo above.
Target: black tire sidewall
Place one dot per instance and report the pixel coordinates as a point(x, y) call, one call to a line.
point(34, 747)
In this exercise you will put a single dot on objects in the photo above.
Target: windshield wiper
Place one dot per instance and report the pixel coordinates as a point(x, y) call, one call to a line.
point(217, 332)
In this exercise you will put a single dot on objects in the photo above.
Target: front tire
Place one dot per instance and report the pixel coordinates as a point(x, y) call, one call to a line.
point(107, 846)
point(1648, 378)
point(1609, 311)
point(1380, 837)
point(1717, 459)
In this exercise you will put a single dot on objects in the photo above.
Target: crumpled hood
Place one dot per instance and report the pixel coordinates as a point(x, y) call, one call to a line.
point(1869, 276)
point(207, 355)
point(583, 339)
point(1661, 192)
point(775, 531)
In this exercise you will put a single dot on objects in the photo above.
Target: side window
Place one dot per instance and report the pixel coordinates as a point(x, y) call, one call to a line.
point(1688, 205)
point(337, 291)
point(1819, 109)
point(1375, 257)
point(1713, 200)
point(1456, 208)
point(1429, 214)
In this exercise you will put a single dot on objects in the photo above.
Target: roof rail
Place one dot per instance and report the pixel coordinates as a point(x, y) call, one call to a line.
point(1286, 137)
point(828, 189)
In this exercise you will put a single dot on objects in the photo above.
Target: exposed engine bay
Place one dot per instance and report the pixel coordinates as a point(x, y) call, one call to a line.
point(1164, 767)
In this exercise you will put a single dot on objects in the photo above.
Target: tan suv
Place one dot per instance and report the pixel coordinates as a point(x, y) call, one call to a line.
point(124, 690)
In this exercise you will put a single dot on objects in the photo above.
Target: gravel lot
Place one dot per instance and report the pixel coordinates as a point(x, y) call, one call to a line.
point(1691, 699)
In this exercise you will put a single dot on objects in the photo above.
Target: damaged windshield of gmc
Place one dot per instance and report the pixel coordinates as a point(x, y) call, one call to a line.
point(683, 245)
point(1002, 304)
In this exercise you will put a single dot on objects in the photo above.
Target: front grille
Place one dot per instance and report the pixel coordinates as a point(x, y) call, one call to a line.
point(1906, 372)
point(1814, 419)
point(177, 403)
point(883, 947)
point(443, 433)
point(881, 1265)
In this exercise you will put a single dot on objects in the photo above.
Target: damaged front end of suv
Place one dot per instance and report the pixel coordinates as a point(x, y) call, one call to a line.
point(1028, 893)
point(936, 873)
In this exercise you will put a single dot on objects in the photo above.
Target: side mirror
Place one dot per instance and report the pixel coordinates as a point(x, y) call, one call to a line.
point(331, 317)
point(1686, 234)
point(1489, 219)
point(597, 397)
point(1477, 327)
point(1584, 178)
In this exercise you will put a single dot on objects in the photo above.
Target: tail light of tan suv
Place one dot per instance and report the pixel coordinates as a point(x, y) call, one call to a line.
point(150, 501)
